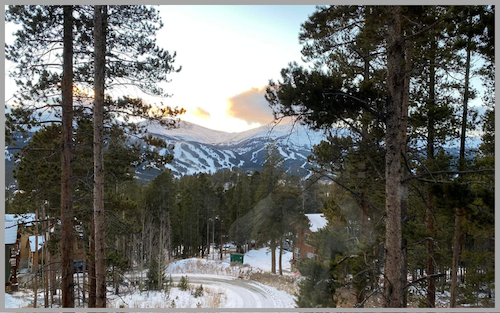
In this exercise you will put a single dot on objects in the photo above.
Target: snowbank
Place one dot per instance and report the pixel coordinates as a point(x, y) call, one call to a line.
point(14, 302)
point(262, 259)
point(255, 261)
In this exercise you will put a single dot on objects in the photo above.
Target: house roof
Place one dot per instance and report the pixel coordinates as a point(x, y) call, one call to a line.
point(10, 232)
point(21, 218)
point(317, 221)
point(33, 242)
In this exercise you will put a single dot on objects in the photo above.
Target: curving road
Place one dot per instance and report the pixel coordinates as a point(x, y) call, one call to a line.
point(240, 293)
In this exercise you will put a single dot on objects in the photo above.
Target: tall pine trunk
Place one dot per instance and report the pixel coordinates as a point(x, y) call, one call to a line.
point(404, 186)
point(461, 166)
point(429, 216)
point(46, 271)
point(456, 256)
point(91, 261)
point(429, 225)
point(100, 62)
point(67, 283)
point(393, 265)
point(281, 256)
point(273, 256)
point(35, 263)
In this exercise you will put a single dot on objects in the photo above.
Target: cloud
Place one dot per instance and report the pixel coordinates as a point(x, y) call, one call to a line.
point(250, 106)
point(199, 112)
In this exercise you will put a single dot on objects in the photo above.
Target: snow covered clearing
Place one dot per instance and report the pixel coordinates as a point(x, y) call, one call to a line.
point(224, 285)
point(255, 261)
point(17, 300)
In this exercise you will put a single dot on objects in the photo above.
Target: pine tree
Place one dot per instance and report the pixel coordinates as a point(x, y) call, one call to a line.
point(317, 289)
point(271, 174)
point(145, 57)
point(469, 29)
point(100, 21)
point(67, 284)
point(155, 275)
point(331, 95)
point(272, 171)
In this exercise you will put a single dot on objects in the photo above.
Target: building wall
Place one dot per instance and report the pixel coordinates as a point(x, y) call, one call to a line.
point(25, 246)
point(302, 250)
point(7, 262)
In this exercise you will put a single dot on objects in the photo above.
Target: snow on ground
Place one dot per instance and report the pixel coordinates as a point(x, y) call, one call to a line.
point(254, 261)
point(175, 298)
point(284, 299)
point(262, 259)
point(204, 266)
point(16, 301)
point(225, 286)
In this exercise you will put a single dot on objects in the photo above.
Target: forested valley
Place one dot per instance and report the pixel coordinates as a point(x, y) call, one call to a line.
point(407, 186)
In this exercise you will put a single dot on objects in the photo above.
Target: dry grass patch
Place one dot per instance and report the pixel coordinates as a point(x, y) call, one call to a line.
point(285, 283)
point(214, 298)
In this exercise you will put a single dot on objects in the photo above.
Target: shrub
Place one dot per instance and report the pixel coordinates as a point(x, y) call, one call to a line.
point(198, 292)
point(183, 283)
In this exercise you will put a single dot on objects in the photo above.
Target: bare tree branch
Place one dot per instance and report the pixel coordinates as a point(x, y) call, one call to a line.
point(419, 176)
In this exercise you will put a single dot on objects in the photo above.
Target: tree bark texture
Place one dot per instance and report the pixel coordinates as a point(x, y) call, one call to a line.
point(273, 257)
point(46, 258)
point(404, 186)
point(67, 283)
point(429, 212)
point(35, 264)
point(281, 256)
point(430, 268)
point(460, 212)
point(91, 261)
point(465, 103)
point(393, 264)
point(364, 218)
point(99, 219)
point(457, 245)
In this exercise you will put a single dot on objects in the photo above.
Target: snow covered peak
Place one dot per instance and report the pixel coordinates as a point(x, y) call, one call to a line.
point(190, 132)
point(295, 134)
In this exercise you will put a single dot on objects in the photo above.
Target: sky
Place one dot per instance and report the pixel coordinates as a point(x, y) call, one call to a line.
point(228, 54)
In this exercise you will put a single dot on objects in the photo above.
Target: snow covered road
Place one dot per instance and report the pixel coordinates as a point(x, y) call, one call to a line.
point(242, 293)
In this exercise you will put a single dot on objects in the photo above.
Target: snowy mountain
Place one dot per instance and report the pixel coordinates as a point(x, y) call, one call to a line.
point(298, 134)
point(198, 149)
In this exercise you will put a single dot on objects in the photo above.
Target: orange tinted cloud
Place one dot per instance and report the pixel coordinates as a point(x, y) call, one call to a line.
point(199, 112)
point(250, 106)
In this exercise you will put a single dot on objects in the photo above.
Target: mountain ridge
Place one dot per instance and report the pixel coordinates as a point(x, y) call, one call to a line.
point(197, 149)
point(200, 149)
point(192, 132)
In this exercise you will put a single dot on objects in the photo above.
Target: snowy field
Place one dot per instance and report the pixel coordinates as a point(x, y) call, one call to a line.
point(17, 301)
point(254, 261)
point(224, 286)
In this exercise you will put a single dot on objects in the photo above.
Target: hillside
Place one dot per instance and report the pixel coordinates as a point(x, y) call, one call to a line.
point(198, 149)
